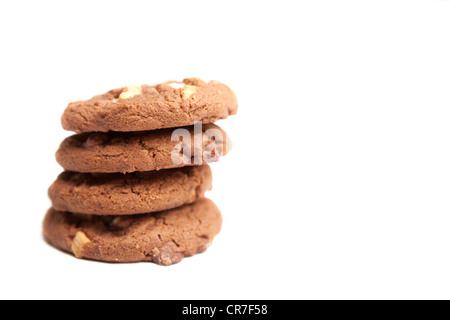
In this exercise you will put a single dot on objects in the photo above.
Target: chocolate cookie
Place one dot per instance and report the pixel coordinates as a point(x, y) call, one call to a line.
point(141, 151)
point(164, 237)
point(139, 192)
point(140, 108)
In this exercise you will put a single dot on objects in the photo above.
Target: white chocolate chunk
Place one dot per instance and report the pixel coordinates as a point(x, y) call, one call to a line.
point(176, 85)
point(130, 91)
point(78, 243)
point(186, 90)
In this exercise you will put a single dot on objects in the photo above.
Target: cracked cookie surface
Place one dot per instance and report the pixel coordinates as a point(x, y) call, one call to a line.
point(141, 108)
point(133, 193)
point(137, 151)
point(164, 237)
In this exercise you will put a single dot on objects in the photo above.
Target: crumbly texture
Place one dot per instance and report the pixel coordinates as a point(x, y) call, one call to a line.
point(133, 193)
point(167, 105)
point(164, 237)
point(138, 151)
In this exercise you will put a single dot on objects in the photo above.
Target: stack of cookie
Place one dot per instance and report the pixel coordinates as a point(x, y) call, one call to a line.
point(136, 173)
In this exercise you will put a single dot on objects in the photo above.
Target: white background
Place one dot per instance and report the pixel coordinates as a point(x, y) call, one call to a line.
point(338, 185)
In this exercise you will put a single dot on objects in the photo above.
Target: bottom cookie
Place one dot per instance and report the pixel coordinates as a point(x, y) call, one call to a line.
point(163, 237)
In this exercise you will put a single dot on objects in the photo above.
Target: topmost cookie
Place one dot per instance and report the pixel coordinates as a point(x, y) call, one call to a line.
point(140, 108)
